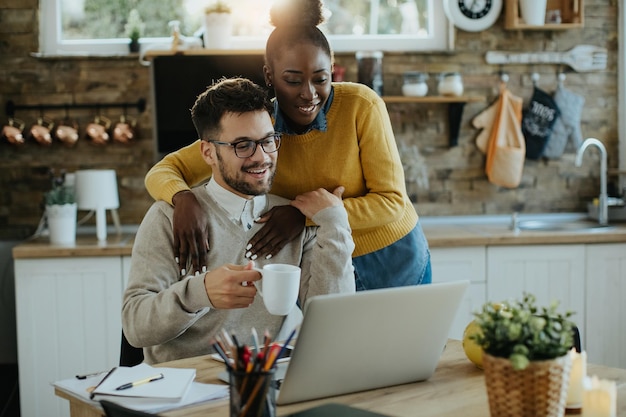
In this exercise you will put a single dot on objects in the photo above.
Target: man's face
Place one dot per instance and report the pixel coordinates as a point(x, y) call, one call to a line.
point(249, 176)
point(302, 81)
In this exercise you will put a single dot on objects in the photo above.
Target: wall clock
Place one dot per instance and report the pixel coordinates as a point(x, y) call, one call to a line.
point(472, 15)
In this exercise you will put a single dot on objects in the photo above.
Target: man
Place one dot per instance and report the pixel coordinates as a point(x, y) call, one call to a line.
point(173, 318)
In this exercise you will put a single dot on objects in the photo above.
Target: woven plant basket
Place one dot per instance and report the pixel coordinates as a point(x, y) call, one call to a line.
point(540, 390)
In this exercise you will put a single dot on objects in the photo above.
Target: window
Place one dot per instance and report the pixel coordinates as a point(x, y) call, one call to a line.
point(97, 26)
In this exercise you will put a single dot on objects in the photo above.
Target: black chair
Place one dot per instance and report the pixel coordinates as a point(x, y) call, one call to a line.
point(112, 409)
point(130, 355)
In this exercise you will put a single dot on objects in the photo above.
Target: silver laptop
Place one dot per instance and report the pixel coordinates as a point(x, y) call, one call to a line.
point(371, 339)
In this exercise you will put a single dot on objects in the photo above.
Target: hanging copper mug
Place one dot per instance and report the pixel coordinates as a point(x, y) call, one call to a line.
point(66, 132)
point(40, 131)
point(97, 130)
point(124, 130)
point(12, 132)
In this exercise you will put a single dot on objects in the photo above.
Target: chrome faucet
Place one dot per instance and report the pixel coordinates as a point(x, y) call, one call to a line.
point(603, 210)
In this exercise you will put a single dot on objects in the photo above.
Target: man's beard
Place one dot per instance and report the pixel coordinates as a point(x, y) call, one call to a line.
point(244, 187)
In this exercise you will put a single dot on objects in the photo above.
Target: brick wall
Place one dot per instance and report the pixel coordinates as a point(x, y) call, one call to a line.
point(456, 180)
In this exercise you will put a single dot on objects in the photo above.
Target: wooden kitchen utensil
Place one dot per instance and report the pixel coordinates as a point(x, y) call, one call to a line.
point(581, 58)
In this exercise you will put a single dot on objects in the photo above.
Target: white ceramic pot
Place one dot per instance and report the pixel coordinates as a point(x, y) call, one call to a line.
point(62, 223)
point(218, 29)
point(533, 12)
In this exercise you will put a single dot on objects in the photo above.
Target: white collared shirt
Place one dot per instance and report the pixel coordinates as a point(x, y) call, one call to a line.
point(241, 211)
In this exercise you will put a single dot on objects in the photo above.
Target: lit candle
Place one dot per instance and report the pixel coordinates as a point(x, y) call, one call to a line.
point(577, 375)
point(599, 398)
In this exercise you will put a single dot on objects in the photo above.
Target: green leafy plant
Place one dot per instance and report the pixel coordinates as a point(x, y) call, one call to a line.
point(523, 332)
point(134, 27)
point(218, 7)
point(60, 192)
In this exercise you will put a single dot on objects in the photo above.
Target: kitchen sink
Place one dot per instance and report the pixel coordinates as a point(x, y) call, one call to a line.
point(559, 225)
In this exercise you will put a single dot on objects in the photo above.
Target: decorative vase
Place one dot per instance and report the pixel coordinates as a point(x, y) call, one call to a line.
point(533, 11)
point(540, 390)
point(62, 223)
point(133, 46)
point(218, 29)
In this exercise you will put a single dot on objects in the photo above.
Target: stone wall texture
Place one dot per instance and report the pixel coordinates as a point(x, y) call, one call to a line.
point(456, 183)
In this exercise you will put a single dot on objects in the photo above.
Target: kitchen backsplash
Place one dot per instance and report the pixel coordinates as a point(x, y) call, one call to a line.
point(453, 182)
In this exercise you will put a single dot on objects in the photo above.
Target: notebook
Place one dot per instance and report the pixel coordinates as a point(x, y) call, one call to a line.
point(370, 339)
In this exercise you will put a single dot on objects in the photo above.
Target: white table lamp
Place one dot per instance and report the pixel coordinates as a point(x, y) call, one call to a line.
point(96, 189)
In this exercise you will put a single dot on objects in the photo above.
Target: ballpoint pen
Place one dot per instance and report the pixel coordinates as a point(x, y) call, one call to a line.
point(92, 389)
point(140, 382)
point(85, 376)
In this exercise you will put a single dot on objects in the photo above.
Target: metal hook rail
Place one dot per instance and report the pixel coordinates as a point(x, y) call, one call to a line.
point(581, 58)
point(11, 107)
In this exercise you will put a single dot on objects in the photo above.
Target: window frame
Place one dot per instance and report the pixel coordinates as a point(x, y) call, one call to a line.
point(50, 43)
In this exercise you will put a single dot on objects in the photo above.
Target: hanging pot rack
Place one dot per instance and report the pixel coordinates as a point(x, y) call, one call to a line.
point(11, 107)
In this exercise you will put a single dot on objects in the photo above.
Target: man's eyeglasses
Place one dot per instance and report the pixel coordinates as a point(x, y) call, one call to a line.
point(246, 148)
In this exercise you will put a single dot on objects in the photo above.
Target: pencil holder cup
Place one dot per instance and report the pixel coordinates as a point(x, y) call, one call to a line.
point(252, 394)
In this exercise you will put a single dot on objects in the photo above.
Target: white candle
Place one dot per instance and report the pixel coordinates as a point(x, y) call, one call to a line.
point(577, 375)
point(599, 398)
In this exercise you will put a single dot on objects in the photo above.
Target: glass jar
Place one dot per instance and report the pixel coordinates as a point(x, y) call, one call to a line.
point(450, 84)
point(370, 69)
point(414, 84)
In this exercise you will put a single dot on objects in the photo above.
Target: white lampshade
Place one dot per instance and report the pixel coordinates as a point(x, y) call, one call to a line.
point(96, 189)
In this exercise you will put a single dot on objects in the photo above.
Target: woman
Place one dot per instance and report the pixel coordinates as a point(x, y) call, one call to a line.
point(333, 134)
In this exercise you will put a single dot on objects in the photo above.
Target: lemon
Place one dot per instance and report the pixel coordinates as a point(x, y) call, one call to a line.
point(472, 350)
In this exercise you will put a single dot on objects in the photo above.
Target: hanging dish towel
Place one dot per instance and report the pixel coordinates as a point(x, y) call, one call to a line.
point(502, 140)
point(537, 122)
point(567, 127)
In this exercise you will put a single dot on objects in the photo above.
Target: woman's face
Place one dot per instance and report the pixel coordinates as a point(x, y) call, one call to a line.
point(301, 77)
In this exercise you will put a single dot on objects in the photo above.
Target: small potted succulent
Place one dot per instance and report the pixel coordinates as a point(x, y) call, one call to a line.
point(525, 356)
point(60, 193)
point(134, 29)
point(61, 210)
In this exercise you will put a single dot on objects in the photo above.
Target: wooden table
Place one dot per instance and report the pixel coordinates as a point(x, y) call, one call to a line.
point(456, 389)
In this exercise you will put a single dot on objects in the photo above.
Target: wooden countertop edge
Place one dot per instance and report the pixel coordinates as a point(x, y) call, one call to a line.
point(67, 252)
point(438, 236)
point(115, 245)
point(459, 235)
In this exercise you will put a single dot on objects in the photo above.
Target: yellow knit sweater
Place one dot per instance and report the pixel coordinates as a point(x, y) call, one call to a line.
point(357, 151)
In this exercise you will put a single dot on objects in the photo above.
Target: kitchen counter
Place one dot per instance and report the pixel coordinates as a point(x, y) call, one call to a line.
point(459, 231)
point(86, 245)
point(443, 231)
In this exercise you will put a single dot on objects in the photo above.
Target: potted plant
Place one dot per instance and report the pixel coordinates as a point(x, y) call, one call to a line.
point(134, 29)
point(525, 357)
point(217, 25)
point(61, 210)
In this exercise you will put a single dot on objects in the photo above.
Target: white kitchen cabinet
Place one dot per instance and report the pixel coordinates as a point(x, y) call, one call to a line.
point(606, 309)
point(462, 263)
point(68, 322)
point(550, 272)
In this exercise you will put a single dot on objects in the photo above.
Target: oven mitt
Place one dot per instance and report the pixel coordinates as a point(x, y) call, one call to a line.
point(566, 127)
point(484, 121)
point(537, 122)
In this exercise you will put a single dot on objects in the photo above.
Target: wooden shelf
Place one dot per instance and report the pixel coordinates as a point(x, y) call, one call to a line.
point(432, 99)
point(455, 109)
point(572, 16)
point(201, 51)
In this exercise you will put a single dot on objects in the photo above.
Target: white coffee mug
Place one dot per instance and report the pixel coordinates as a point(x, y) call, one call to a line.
point(279, 287)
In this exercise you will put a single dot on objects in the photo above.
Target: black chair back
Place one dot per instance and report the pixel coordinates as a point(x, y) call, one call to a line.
point(130, 355)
